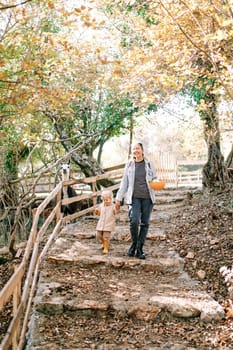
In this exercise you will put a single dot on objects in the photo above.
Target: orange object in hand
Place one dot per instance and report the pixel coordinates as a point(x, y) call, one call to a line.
point(157, 185)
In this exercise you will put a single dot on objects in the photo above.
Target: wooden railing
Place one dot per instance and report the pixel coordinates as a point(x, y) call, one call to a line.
point(45, 184)
point(20, 288)
point(172, 175)
point(189, 177)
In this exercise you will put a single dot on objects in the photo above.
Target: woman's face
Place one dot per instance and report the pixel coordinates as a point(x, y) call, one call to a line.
point(137, 151)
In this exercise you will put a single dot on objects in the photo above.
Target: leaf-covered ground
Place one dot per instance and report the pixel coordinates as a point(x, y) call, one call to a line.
point(202, 233)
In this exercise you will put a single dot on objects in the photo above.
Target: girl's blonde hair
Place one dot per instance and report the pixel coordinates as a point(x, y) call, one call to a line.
point(106, 193)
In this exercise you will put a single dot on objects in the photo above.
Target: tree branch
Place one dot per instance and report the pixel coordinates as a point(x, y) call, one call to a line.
point(14, 5)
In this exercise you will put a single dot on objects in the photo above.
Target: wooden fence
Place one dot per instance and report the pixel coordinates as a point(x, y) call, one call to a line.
point(167, 168)
point(189, 178)
point(20, 289)
point(170, 169)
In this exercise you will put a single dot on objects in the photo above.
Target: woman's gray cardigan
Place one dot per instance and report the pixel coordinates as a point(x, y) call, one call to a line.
point(127, 182)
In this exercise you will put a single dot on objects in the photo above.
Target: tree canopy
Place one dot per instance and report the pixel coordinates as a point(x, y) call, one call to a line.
point(70, 71)
point(56, 55)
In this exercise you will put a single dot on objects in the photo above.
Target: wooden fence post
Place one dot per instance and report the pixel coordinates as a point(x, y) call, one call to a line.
point(94, 188)
point(58, 212)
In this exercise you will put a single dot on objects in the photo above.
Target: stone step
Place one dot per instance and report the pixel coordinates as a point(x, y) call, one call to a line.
point(138, 288)
point(164, 206)
point(86, 228)
point(169, 199)
point(144, 295)
point(86, 296)
point(84, 252)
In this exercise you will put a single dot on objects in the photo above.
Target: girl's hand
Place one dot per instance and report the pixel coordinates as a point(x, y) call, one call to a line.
point(97, 211)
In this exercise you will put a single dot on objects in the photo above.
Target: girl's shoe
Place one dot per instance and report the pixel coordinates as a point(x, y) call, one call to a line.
point(106, 247)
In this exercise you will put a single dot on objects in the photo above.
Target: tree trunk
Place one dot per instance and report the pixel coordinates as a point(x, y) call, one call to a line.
point(214, 171)
point(100, 152)
point(9, 200)
point(229, 163)
point(130, 136)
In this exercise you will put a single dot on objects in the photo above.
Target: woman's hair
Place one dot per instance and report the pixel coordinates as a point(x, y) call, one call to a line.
point(141, 145)
point(106, 193)
point(138, 143)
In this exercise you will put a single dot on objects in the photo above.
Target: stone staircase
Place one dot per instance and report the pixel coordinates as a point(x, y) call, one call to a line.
point(87, 300)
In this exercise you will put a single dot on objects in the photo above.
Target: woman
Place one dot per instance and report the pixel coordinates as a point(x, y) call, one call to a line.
point(140, 197)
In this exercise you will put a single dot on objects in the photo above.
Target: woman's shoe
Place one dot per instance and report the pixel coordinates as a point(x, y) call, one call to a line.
point(132, 249)
point(140, 254)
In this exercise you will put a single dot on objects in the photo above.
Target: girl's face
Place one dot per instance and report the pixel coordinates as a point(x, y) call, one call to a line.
point(107, 200)
point(137, 152)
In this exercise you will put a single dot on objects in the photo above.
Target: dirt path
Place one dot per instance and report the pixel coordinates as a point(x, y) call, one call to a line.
point(87, 300)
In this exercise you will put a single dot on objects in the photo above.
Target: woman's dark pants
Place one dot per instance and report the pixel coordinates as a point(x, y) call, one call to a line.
point(139, 217)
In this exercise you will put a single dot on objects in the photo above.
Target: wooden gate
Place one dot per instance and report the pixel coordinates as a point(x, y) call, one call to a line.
point(166, 167)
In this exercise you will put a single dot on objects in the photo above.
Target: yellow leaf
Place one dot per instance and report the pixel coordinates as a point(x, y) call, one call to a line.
point(87, 24)
point(118, 72)
point(51, 5)
point(51, 41)
point(2, 76)
point(103, 60)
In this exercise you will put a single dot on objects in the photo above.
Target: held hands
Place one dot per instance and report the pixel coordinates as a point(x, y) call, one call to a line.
point(118, 205)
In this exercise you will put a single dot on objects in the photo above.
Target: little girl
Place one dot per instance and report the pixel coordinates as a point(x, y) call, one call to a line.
point(107, 219)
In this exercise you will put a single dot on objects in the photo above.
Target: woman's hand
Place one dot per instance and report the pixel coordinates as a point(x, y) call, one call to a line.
point(118, 205)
